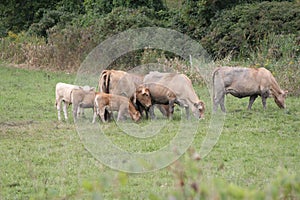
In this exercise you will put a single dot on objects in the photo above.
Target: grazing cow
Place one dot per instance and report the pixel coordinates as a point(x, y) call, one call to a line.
point(111, 102)
point(63, 94)
point(150, 94)
point(183, 89)
point(246, 82)
point(82, 98)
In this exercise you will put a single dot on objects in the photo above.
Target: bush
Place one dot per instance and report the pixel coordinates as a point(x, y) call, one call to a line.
point(239, 30)
point(102, 7)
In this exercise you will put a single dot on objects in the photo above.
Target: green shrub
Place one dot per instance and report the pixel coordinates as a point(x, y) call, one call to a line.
point(103, 7)
point(239, 30)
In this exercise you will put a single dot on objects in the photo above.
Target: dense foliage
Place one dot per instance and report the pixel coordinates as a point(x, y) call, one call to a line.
point(59, 34)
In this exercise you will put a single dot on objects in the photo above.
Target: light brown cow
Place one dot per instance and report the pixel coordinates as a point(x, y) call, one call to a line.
point(111, 102)
point(246, 82)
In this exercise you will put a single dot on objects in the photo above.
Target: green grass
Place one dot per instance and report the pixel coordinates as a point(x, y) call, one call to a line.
point(41, 158)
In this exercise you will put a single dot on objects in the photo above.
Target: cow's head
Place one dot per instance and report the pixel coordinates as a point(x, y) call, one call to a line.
point(142, 95)
point(200, 106)
point(280, 98)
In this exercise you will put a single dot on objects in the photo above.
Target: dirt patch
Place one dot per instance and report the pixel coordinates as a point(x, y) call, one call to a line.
point(16, 124)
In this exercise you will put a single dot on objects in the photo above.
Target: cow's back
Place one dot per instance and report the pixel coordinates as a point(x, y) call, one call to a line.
point(179, 84)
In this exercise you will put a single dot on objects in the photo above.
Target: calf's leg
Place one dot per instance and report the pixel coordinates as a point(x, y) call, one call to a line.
point(65, 109)
point(75, 111)
point(58, 106)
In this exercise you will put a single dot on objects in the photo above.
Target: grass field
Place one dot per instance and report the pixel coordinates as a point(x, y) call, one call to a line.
point(41, 158)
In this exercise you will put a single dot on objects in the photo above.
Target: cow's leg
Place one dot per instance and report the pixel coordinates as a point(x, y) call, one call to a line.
point(65, 109)
point(264, 97)
point(219, 99)
point(251, 101)
point(222, 103)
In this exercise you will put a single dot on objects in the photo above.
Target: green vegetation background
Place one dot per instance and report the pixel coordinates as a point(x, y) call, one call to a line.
point(58, 35)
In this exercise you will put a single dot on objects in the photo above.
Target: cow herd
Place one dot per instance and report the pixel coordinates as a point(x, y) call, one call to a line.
point(132, 95)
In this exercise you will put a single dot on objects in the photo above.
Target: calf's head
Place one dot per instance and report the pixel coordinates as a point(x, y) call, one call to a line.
point(142, 95)
point(280, 99)
point(200, 106)
point(135, 115)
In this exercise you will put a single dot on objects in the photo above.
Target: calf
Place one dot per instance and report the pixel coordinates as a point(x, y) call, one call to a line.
point(151, 93)
point(63, 94)
point(110, 102)
point(82, 98)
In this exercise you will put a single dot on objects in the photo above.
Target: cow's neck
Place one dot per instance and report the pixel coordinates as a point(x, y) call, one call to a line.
point(275, 89)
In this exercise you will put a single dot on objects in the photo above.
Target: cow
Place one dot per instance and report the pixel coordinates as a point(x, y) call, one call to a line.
point(246, 82)
point(152, 94)
point(183, 89)
point(63, 94)
point(119, 82)
point(110, 102)
point(82, 98)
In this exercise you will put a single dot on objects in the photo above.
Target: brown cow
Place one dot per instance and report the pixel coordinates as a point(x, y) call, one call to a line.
point(246, 82)
point(111, 102)
point(151, 94)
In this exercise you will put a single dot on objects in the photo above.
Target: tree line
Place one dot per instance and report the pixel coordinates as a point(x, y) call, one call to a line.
point(240, 29)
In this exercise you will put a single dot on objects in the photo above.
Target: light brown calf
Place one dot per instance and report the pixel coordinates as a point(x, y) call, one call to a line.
point(110, 102)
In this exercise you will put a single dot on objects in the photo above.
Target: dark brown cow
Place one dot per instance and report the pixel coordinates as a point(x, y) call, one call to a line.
point(246, 82)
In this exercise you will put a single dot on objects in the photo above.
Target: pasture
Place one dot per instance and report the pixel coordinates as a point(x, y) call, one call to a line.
point(41, 158)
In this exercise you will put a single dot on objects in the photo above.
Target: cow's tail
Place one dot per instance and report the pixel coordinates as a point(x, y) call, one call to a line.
point(215, 72)
point(104, 81)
